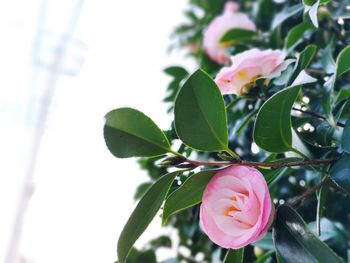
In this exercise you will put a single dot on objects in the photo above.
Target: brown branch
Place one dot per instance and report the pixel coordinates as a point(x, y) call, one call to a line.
point(315, 114)
point(311, 113)
point(262, 164)
point(298, 199)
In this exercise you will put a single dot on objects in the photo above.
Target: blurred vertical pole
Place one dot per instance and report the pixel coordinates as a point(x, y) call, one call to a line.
point(55, 68)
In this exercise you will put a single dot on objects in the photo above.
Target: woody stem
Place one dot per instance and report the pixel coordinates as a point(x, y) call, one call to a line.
point(262, 164)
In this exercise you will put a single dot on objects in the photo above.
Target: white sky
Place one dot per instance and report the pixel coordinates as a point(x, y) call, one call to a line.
point(83, 195)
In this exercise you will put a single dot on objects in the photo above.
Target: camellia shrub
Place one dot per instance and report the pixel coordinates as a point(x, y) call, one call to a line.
point(256, 165)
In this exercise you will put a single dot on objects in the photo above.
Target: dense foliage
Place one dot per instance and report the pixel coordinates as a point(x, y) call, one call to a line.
point(306, 145)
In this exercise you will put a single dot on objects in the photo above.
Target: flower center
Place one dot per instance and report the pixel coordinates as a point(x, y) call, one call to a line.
point(237, 203)
point(231, 209)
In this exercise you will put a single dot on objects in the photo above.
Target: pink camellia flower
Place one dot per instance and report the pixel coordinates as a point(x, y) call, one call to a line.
point(247, 67)
point(219, 26)
point(236, 207)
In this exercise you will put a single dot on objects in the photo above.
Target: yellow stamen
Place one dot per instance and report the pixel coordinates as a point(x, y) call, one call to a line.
point(231, 209)
point(234, 199)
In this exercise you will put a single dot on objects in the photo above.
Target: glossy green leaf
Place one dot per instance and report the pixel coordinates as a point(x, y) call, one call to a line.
point(128, 132)
point(234, 256)
point(271, 175)
point(244, 122)
point(343, 94)
point(273, 127)
point(188, 195)
point(285, 14)
point(321, 202)
point(279, 258)
point(295, 35)
point(143, 214)
point(327, 60)
point(304, 60)
point(237, 34)
point(200, 115)
point(311, 2)
point(344, 111)
point(345, 139)
point(340, 172)
point(295, 243)
point(312, 11)
point(342, 62)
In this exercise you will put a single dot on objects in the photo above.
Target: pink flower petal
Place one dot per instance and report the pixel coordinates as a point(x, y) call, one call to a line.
point(236, 207)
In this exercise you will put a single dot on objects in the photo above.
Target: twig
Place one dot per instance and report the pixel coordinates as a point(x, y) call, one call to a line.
point(262, 164)
point(296, 200)
point(315, 114)
point(312, 113)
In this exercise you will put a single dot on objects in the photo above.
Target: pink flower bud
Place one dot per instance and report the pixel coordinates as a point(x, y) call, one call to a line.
point(236, 207)
point(230, 19)
point(247, 67)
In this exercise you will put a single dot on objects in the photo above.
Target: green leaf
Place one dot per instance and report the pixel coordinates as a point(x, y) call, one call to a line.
point(141, 190)
point(295, 243)
point(345, 140)
point(340, 172)
point(304, 60)
point(243, 122)
point(311, 2)
point(176, 71)
point(312, 10)
point(188, 195)
point(237, 34)
point(128, 132)
point(327, 60)
point(273, 126)
point(279, 258)
point(342, 62)
point(200, 115)
point(234, 256)
point(143, 214)
point(343, 94)
point(285, 14)
point(321, 201)
point(265, 257)
point(295, 35)
point(136, 256)
point(271, 175)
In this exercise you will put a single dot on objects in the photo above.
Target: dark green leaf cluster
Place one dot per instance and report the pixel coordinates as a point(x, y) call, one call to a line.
point(301, 115)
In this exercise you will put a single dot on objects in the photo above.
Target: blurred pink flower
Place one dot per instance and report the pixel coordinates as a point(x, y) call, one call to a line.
point(230, 19)
point(247, 67)
point(236, 207)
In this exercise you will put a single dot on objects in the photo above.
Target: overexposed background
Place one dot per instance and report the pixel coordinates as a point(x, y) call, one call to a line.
point(64, 64)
